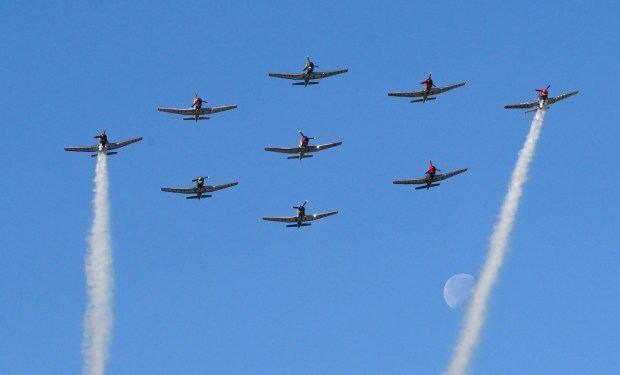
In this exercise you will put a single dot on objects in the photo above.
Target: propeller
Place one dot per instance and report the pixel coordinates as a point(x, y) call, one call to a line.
point(539, 90)
point(302, 134)
point(102, 134)
point(308, 58)
point(200, 178)
point(302, 206)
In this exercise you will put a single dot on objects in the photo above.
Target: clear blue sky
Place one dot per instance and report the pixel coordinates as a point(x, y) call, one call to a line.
point(208, 287)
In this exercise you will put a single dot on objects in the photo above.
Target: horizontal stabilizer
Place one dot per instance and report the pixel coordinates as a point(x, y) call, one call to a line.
point(197, 197)
point(421, 100)
point(297, 156)
point(295, 225)
point(426, 186)
point(532, 110)
point(194, 118)
point(303, 83)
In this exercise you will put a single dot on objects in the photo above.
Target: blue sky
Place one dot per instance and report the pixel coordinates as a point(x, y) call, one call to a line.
point(208, 287)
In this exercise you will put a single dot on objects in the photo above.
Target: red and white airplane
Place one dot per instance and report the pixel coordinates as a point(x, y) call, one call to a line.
point(197, 111)
point(427, 92)
point(431, 178)
point(543, 100)
point(103, 145)
point(303, 148)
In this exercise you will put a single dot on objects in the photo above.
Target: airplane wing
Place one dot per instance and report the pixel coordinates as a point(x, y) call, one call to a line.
point(417, 181)
point(314, 75)
point(295, 150)
point(285, 219)
point(318, 216)
point(179, 111)
point(201, 111)
point(182, 191)
point(439, 90)
point(433, 91)
point(561, 97)
point(112, 146)
point(286, 150)
point(439, 177)
point(322, 147)
point(83, 149)
point(208, 189)
point(287, 76)
point(522, 105)
point(410, 94)
point(318, 75)
point(207, 111)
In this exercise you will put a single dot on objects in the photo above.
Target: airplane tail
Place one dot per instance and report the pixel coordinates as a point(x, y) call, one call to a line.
point(194, 118)
point(305, 84)
point(196, 197)
point(426, 186)
point(422, 100)
point(302, 157)
point(109, 153)
point(301, 225)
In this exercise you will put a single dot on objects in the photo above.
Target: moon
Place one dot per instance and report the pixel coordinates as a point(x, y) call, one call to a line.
point(458, 289)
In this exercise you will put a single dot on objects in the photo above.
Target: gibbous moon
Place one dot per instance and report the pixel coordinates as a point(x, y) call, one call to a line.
point(458, 289)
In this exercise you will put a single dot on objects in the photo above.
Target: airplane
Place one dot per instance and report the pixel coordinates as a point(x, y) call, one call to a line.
point(197, 111)
point(308, 74)
point(103, 146)
point(200, 189)
point(427, 92)
point(543, 100)
point(303, 148)
point(301, 217)
point(430, 179)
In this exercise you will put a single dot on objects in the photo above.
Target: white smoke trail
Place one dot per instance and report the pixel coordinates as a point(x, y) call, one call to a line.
point(475, 316)
point(98, 320)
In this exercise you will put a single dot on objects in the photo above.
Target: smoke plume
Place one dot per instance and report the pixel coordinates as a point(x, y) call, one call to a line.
point(475, 316)
point(99, 276)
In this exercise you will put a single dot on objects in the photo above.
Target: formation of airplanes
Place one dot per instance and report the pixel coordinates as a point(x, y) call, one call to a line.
point(304, 149)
